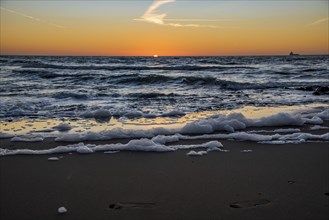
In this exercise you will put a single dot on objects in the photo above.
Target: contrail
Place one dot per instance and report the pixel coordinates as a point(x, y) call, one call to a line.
point(32, 18)
point(152, 16)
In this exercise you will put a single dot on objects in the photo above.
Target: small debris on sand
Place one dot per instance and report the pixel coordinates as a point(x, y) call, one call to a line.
point(53, 158)
point(62, 210)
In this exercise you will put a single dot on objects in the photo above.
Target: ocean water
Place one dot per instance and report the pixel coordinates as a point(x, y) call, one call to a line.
point(53, 87)
point(155, 101)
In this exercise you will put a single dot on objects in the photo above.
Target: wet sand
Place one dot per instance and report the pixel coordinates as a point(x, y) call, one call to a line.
point(271, 182)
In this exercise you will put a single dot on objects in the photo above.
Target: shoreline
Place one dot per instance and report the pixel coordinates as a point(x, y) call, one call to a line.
point(103, 120)
point(271, 182)
point(241, 180)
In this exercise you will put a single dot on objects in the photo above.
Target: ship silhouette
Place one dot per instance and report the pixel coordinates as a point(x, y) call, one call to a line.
point(293, 54)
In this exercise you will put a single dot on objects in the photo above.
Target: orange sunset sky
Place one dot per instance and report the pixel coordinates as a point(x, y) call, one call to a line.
point(166, 28)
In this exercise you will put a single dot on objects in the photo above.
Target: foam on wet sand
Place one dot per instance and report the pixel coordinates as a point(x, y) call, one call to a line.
point(243, 165)
point(154, 185)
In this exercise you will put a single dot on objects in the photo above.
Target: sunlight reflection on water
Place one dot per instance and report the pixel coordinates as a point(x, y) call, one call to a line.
point(48, 126)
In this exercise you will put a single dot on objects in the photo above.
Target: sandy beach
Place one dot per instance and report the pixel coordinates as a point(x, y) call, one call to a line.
point(164, 110)
point(287, 181)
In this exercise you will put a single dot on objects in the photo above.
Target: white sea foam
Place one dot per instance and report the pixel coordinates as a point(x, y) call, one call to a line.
point(204, 128)
point(237, 121)
point(280, 130)
point(143, 144)
point(243, 136)
point(228, 123)
point(314, 120)
point(283, 142)
point(214, 146)
point(83, 149)
point(150, 145)
point(286, 130)
point(106, 135)
point(304, 136)
point(111, 152)
point(324, 115)
point(197, 128)
point(211, 146)
point(280, 119)
point(27, 139)
point(53, 158)
point(196, 153)
point(272, 142)
point(162, 139)
point(318, 127)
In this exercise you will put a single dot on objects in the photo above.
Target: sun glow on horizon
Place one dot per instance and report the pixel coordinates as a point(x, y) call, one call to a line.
point(108, 28)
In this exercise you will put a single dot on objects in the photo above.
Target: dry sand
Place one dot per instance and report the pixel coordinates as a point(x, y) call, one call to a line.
point(271, 182)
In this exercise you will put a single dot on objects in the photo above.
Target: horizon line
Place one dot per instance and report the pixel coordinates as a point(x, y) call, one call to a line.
point(241, 55)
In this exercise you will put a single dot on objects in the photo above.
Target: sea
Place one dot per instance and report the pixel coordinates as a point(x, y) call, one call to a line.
point(81, 94)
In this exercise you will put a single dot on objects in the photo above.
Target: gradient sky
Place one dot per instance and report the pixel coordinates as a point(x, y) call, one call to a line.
point(167, 28)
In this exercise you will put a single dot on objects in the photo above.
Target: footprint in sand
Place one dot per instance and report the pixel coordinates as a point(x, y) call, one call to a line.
point(250, 203)
point(132, 205)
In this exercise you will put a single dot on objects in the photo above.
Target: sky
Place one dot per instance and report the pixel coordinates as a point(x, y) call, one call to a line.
point(164, 27)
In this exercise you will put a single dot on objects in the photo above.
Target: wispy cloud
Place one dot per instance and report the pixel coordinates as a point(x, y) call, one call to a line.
point(32, 18)
point(152, 16)
point(319, 21)
point(193, 19)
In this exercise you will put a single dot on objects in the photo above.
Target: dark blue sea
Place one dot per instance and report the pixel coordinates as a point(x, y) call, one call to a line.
point(48, 86)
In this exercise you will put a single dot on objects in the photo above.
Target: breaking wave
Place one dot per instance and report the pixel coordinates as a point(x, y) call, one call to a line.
point(49, 84)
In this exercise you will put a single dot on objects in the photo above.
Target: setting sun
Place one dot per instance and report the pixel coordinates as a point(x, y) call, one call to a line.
point(115, 28)
point(187, 109)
